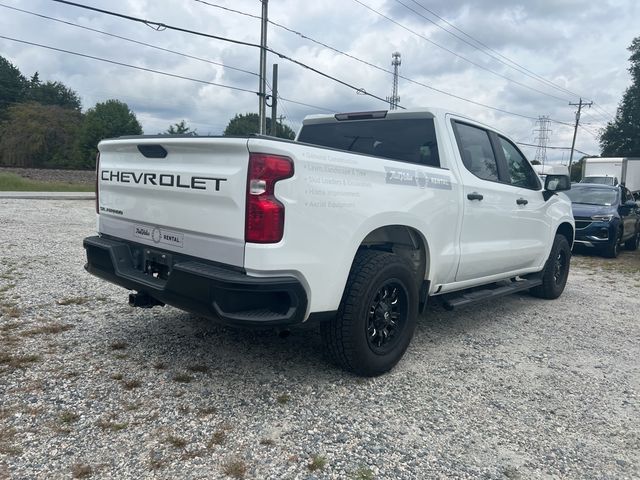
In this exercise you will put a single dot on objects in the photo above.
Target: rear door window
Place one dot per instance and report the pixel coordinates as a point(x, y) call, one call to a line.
point(407, 140)
point(476, 151)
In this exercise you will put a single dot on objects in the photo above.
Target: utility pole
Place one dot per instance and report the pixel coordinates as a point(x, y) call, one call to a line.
point(274, 102)
point(262, 90)
point(394, 99)
point(575, 129)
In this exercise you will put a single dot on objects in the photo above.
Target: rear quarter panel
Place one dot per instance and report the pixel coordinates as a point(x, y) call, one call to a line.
point(335, 199)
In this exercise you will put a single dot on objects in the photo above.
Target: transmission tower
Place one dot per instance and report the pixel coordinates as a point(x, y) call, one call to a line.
point(394, 99)
point(543, 132)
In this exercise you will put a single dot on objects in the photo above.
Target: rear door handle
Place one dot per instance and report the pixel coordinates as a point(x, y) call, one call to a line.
point(522, 201)
point(474, 196)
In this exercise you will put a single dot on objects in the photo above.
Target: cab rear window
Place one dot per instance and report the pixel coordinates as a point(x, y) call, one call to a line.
point(409, 140)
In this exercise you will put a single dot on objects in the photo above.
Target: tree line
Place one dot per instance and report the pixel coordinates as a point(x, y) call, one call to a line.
point(42, 124)
point(621, 136)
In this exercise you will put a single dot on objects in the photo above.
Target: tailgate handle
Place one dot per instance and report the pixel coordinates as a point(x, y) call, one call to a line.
point(152, 151)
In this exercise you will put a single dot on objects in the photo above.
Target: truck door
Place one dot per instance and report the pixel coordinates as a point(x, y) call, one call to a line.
point(533, 225)
point(499, 218)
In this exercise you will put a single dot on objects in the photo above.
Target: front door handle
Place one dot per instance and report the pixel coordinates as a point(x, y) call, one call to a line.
point(522, 201)
point(474, 196)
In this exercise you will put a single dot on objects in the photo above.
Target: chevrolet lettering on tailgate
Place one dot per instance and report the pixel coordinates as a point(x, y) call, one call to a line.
point(162, 179)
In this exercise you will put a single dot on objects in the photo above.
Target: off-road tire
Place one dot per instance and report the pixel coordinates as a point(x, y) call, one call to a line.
point(347, 337)
point(556, 270)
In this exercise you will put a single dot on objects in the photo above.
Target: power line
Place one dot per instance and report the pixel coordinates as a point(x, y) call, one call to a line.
point(520, 67)
point(382, 69)
point(158, 26)
point(552, 148)
point(599, 107)
point(92, 57)
point(485, 49)
point(306, 104)
point(227, 9)
point(509, 79)
point(128, 39)
point(129, 65)
point(160, 48)
point(592, 133)
point(282, 103)
point(162, 26)
point(595, 120)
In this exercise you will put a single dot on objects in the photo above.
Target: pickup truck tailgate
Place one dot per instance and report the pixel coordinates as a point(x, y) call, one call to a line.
point(185, 194)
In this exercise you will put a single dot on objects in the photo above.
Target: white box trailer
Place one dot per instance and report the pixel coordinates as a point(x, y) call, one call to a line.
point(550, 169)
point(625, 169)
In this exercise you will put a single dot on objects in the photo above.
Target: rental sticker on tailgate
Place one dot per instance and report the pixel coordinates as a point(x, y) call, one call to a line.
point(159, 235)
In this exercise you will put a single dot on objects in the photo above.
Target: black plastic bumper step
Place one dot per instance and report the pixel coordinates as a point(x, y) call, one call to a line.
point(460, 299)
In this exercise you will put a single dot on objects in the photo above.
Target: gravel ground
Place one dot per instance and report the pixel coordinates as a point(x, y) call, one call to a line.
point(516, 388)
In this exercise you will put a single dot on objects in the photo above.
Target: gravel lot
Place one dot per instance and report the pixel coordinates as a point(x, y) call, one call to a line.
point(518, 388)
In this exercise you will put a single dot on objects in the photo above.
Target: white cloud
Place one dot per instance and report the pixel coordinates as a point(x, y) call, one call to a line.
point(577, 44)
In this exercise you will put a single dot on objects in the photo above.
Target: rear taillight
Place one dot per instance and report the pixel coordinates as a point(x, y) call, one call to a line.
point(97, 178)
point(264, 222)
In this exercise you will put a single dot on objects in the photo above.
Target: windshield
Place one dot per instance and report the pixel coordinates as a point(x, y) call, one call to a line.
point(408, 140)
point(592, 196)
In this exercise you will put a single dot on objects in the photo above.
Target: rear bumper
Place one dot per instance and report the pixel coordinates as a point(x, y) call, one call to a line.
point(225, 294)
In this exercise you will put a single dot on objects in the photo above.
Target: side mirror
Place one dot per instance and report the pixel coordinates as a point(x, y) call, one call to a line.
point(554, 184)
point(557, 183)
point(630, 204)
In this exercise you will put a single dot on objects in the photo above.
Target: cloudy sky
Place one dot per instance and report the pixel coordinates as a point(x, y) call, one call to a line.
point(527, 58)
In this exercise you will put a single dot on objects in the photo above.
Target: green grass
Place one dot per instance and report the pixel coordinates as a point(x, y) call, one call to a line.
point(10, 182)
point(317, 462)
point(362, 473)
point(69, 417)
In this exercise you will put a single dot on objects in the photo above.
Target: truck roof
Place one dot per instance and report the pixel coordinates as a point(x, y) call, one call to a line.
point(424, 112)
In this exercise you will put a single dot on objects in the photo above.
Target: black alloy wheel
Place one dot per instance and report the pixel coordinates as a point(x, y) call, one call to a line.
point(613, 249)
point(560, 268)
point(387, 317)
point(556, 270)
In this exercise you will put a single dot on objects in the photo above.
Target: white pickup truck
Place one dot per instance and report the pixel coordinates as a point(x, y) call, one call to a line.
point(355, 224)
